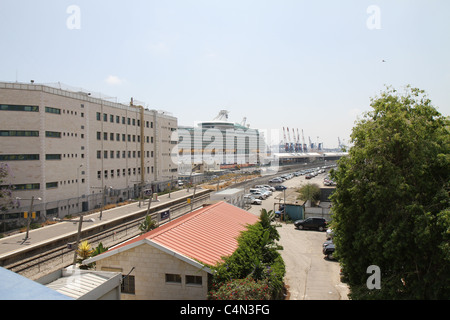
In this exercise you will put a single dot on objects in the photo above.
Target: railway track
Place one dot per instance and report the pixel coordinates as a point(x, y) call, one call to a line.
point(62, 256)
point(51, 259)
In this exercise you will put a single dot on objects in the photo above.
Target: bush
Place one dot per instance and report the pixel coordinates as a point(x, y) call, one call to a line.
point(241, 289)
point(256, 258)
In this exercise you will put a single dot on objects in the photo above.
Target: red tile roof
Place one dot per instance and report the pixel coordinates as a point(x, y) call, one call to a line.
point(205, 235)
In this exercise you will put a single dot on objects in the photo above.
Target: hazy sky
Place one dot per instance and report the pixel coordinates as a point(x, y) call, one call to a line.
point(311, 65)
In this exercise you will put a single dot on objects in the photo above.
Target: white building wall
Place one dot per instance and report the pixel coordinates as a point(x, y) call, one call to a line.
point(77, 171)
point(150, 267)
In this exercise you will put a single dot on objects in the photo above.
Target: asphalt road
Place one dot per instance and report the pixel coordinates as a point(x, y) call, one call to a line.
point(309, 276)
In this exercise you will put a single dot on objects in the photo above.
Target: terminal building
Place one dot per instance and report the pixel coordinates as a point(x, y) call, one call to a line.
point(73, 151)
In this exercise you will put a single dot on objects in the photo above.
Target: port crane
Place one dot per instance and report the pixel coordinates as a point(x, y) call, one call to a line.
point(286, 143)
point(294, 141)
point(305, 147)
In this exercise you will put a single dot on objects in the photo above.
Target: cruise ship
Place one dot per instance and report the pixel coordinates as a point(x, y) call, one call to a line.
point(220, 143)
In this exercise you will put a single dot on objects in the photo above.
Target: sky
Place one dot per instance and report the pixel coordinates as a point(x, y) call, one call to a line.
point(303, 65)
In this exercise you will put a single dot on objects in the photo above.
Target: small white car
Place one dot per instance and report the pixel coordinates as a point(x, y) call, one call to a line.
point(249, 198)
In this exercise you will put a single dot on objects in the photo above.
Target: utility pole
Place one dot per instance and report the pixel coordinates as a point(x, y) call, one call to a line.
point(78, 240)
point(29, 217)
point(149, 203)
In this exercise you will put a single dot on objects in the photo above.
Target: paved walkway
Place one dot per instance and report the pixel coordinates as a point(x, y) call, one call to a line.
point(17, 242)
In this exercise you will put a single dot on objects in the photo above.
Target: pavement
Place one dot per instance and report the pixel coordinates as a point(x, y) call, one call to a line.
point(15, 243)
point(309, 276)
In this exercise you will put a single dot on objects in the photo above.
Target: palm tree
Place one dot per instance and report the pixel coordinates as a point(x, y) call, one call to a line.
point(99, 249)
point(147, 225)
point(84, 251)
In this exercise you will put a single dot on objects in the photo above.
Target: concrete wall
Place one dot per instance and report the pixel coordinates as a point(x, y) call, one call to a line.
point(323, 211)
point(150, 266)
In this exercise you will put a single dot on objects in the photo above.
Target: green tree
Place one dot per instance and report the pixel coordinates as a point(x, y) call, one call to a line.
point(256, 258)
point(391, 204)
point(309, 192)
point(6, 201)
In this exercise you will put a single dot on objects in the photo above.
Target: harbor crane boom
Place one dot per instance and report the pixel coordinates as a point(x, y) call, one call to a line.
point(286, 146)
point(305, 147)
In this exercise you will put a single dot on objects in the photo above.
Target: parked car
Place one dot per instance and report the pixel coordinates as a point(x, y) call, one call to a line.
point(311, 223)
point(309, 176)
point(329, 234)
point(266, 192)
point(263, 188)
point(249, 198)
point(326, 243)
point(258, 194)
point(268, 187)
point(280, 187)
point(328, 250)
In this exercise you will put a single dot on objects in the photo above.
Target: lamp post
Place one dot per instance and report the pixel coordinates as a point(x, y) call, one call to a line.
point(29, 215)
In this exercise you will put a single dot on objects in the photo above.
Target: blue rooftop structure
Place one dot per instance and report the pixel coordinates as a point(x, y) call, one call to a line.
point(16, 287)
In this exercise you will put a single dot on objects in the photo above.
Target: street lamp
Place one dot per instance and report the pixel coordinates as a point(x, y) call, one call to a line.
point(29, 215)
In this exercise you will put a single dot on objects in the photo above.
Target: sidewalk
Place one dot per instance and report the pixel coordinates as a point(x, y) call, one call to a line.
point(15, 243)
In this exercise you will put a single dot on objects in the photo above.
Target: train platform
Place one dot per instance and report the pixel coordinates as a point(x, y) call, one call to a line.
point(15, 243)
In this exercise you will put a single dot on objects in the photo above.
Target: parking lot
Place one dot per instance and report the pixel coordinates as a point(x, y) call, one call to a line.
point(309, 276)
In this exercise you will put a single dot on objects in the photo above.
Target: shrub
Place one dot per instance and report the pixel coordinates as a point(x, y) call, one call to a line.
point(241, 289)
point(256, 257)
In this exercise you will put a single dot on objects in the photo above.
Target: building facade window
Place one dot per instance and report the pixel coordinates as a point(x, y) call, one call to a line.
point(27, 186)
point(51, 185)
point(19, 133)
point(12, 107)
point(128, 285)
point(52, 157)
point(173, 278)
point(52, 110)
point(194, 280)
point(18, 157)
point(52, 134)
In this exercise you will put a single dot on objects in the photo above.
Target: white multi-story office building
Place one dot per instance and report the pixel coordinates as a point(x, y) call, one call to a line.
point(68, 147)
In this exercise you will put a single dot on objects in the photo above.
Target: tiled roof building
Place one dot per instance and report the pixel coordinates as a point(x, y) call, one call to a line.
point(171, 262)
